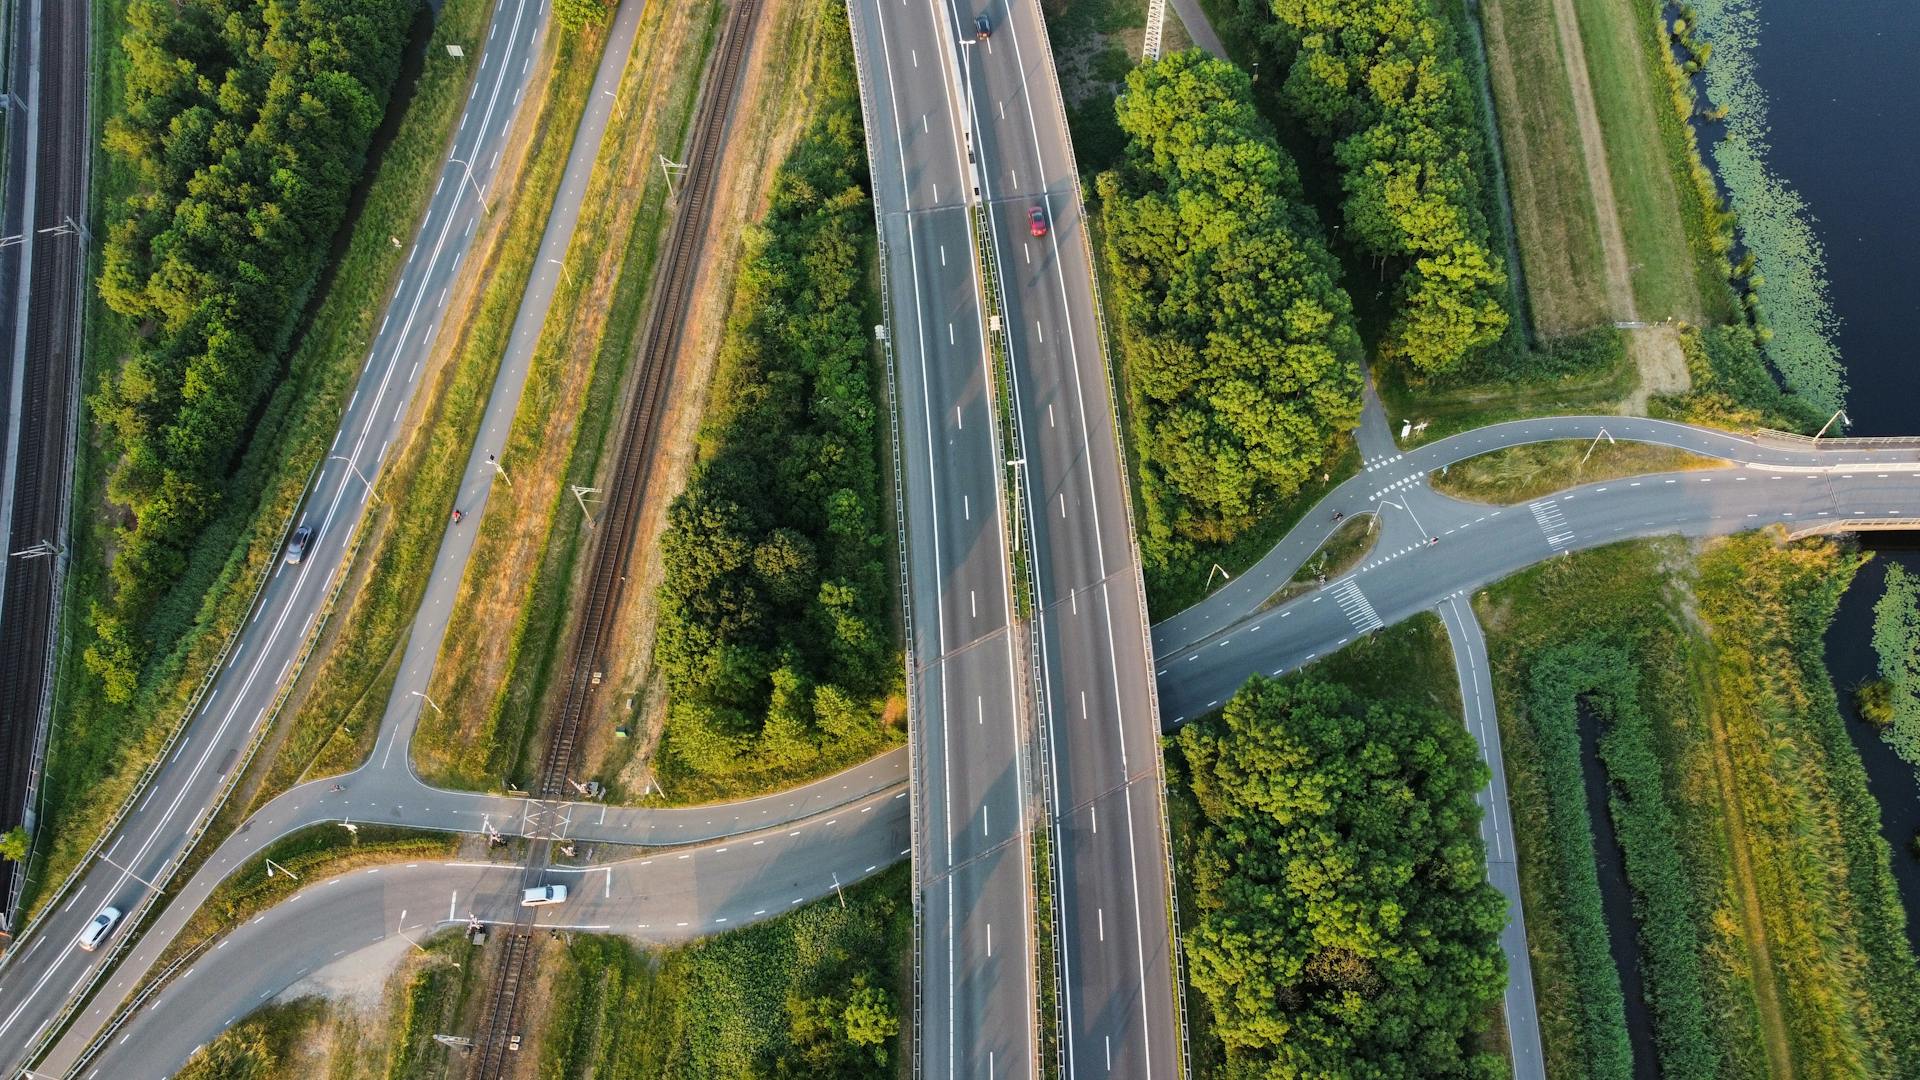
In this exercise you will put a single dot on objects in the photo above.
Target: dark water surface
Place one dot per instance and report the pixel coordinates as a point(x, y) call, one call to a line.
point(1842, 79)
point(1850, 657)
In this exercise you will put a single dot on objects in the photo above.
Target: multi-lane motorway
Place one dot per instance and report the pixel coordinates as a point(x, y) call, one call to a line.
point(1096, 701)
point(977, 999)
point(43, 974)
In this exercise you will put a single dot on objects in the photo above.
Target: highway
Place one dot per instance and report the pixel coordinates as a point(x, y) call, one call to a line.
point(661, 898)
point(42, 289)
point(47, 969)
point(977, 1003)
point(1113, 895)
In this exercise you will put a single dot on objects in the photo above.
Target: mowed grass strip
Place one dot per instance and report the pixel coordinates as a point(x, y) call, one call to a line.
point(482, 678)
point(1629, 95)
point(1519, 473)
point(1552, 199)
point(340, 713)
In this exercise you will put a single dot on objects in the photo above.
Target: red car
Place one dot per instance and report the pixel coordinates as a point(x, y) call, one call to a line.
point(1037, 221)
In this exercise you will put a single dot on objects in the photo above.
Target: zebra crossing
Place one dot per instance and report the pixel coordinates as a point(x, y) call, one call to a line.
point(1546, 513)
point(1358, 608)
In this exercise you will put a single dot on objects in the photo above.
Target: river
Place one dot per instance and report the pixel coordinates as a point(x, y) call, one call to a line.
point(1844, 107)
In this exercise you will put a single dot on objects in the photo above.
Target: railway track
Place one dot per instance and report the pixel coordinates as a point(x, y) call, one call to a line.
point(587, 653)
point(50, 360)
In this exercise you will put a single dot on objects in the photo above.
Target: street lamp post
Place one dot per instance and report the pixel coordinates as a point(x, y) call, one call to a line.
point(1840, 415)
point(362, 477)
point(495, 466)
point(468, 178)
point(423, 697)
point(1410, 513)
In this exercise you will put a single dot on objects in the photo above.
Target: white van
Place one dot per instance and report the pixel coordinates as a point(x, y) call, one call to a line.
point(542, 895)
point(97, 930)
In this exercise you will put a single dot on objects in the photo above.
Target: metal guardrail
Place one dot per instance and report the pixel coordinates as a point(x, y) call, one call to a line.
point(914, 823)
point(1133, 545)
point(1156, 25)
point(204, 820)
point(146, 777)
point(122, 1016)
point(1022, 568)
point(1809, 442)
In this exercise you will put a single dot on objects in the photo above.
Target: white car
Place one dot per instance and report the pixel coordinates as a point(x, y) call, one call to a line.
point(542, 895)
point(97, 930)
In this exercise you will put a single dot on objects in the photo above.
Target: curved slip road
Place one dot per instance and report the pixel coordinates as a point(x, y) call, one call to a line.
point(663, 898)
point(1478, 545)
point(47, 969)
point(1389, 472)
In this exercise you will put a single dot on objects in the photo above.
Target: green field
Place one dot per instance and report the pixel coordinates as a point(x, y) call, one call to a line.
point(1771, 939)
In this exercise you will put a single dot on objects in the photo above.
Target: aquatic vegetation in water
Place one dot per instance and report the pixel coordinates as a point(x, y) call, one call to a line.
point(1789, 282)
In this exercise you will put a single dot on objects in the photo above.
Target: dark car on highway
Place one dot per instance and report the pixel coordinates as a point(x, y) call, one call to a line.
point(982, 28)
point(301, 543)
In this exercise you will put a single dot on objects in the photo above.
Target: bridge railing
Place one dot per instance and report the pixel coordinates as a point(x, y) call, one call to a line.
point(1790, 438)
point(899, 516)
point(1133, 551)
point(1857, 524)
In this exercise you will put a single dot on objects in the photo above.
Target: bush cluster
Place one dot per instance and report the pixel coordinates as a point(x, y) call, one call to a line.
point(1896, 640)
point(247, 123)
point(1343, 924)
point(1242, 363)
point(773, 630)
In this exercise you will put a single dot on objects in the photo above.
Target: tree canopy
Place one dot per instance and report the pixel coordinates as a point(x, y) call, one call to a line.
point(1344, 925)
point(1242, 363)
point(247, 123)
point(774, 631)
point(1384, 82)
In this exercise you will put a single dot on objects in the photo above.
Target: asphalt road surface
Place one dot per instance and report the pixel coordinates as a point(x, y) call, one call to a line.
point(1204, 659)
point(973, 874)
point(1119, 1007)
point(48, 968)
point(1496, 832)
point(662, 898)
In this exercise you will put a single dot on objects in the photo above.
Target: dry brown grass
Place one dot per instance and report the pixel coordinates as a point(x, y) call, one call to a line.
point(769, 115)
point(1520, 473)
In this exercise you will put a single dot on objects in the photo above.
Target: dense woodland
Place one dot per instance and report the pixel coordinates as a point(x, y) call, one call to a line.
point(1382, 83)
point(1342, 923)
point(774, 628)
point(247, 123)
point(1242, 362)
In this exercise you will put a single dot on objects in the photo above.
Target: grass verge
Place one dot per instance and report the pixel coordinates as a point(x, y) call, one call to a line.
point(1778, 918)
point(814, 993)
point(1342, 552)
point(1522, 473)
point(299, 860)
point(340, 714)
point(529, 542)
point(98, 749)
